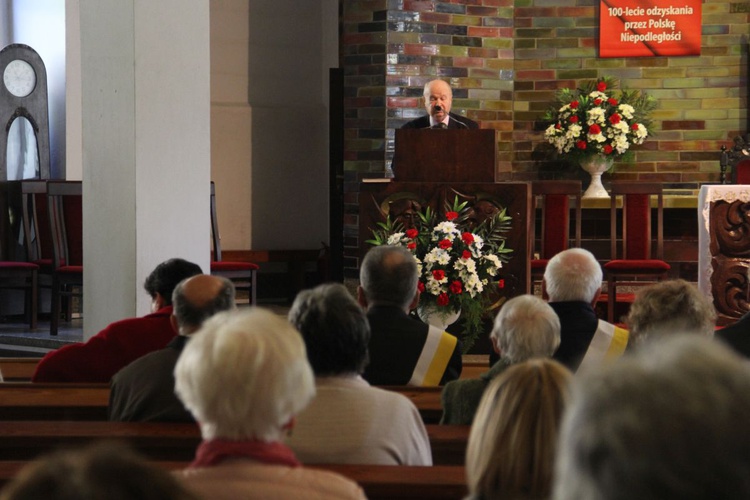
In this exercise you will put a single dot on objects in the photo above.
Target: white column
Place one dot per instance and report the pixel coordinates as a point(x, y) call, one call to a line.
point(145, 100)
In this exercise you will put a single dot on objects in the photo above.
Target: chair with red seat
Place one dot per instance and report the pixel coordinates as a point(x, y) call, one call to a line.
point(65, 209)
point(22, 276)
point(242, 274)
point(737, 159)
point(555, 221)
point(634, 261)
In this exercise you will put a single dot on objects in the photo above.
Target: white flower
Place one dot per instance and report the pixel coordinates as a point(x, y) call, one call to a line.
point(626, 110)
point(641, 133)
point(395, 238)
point(598, 95)
point(621, 144)
point(495, 264)
point(445, 229)
point(595, 115)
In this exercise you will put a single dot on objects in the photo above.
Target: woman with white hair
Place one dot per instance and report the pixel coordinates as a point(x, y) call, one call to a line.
point(244, 376)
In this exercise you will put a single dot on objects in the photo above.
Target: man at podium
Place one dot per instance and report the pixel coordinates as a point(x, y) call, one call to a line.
point(438, 98)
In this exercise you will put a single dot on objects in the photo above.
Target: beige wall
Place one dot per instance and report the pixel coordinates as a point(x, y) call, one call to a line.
point(269, 120)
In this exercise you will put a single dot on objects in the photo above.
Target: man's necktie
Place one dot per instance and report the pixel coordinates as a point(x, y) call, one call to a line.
point(440, 125)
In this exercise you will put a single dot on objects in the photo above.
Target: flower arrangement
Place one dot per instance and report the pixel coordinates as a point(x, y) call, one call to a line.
point(458, 265)
point(595, 120)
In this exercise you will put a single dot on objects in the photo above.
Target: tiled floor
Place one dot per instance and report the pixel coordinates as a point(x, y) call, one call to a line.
point(16, 339)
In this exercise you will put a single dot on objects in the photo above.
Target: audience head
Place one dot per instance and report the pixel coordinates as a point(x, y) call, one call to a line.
point(103, 470)
point(513, 439)
point(335, 330)
point(388, 276)
point(666, 422)
point(198, 298)
point(526, 327)
point(164, 278)
point(244, 375)
point(438, 99)
point(670, 307)
point(573, 275)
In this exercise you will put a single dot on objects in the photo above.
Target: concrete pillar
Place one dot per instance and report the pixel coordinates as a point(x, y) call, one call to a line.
point(145, 142)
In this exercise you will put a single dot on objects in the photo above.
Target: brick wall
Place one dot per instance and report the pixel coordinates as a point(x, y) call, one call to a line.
point(505, 59)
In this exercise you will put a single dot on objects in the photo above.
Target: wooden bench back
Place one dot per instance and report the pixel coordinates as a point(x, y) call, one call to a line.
point(25, 440)
point(378, 481)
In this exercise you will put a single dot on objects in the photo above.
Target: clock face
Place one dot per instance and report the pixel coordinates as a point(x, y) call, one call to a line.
point(19, 78)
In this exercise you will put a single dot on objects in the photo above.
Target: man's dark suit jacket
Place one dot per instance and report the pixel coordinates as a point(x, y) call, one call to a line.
point(143, 391)
point(454, 123)
point(396, 342)
point(578, 323)
point(737, 335)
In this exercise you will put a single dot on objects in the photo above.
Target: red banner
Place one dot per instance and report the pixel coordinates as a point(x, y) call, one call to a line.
point(647, 28)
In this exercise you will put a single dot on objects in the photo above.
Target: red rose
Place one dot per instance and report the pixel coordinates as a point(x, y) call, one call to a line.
point(595, 129)
point(573, 104)
point(574, 119)
point(501, 283)
point(468, 238)
point(412, 233)
point(597, 101)
point(607, 149)
point(456, 287)
point(581, 144)
point(634, 126)
point(420, 286)
point(466, 255)
point(411, 245)
point(445, 244)
point(442, 299)
point(601, 86)
point(614, 119)
point(451, 215)
point(612, 101)
point(438, 274)
point(558, 126)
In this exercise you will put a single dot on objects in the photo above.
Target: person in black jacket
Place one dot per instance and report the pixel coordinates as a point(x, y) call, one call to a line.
point(438, 98)
point(403, 350)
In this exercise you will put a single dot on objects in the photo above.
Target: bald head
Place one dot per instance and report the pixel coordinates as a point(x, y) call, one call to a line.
point(198, 298)
point(438, 99)
point(388, 276)
point(573, 275)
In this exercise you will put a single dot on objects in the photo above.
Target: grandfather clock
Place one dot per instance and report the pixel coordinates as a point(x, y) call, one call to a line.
point(24, 105)
point(24, 115)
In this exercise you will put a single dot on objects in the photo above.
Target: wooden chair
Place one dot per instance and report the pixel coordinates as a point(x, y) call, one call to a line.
point(242, 274)
point(554, 235)
point(738, 159)
point(22, 276)
point(64, 200)
point(633, 263)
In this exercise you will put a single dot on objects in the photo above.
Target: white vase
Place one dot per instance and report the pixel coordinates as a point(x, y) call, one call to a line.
point(442, 318)
point(596, 165)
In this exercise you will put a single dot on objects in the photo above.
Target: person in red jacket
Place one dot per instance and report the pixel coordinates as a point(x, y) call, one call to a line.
point(121, 342)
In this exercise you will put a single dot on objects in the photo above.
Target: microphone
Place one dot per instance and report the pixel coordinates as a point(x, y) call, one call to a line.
point(459, 122)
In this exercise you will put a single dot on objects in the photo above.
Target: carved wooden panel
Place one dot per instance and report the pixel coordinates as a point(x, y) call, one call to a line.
point(402, 201)
point(730, 258)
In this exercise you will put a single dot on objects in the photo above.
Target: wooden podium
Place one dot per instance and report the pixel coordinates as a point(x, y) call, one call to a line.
point(445, 155)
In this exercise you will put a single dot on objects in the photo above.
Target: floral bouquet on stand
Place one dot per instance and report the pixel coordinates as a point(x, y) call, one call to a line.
point(459, 266)
point(595, 124)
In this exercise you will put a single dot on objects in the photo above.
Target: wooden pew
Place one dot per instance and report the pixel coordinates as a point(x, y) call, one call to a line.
point(378, 481)
point(25, 440)
point(21, 369)
point(426, 399)
point(24, 401)
point(474, 365)
point(18, 369)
